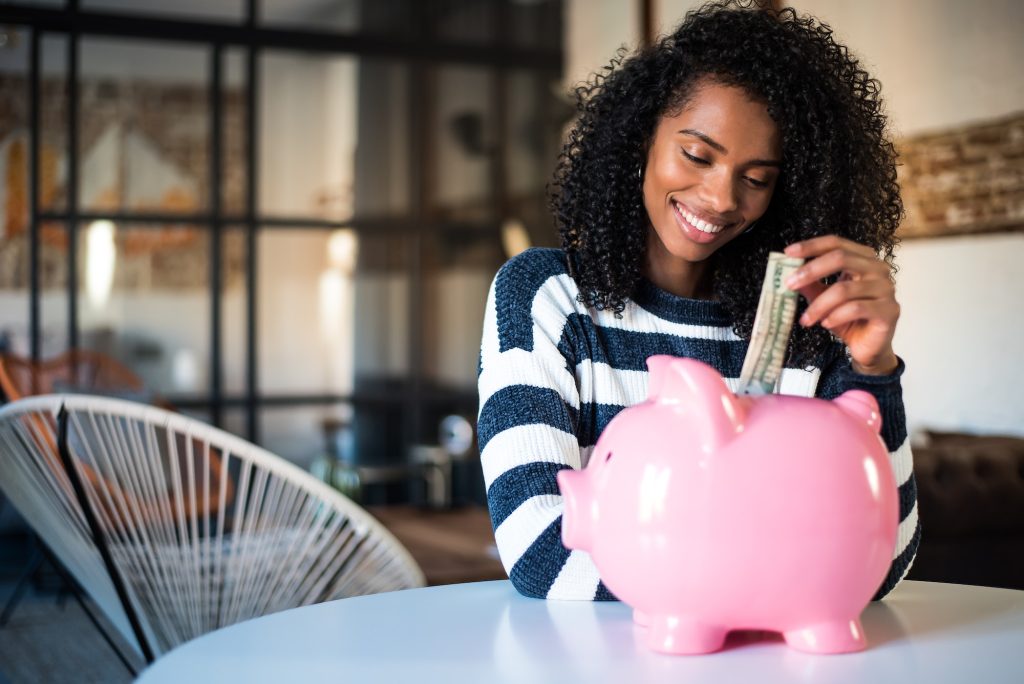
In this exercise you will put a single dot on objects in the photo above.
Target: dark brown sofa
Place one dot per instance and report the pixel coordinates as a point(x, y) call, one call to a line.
point(971, 505)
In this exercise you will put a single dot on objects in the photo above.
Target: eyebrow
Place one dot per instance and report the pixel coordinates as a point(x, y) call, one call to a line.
point(711, 142)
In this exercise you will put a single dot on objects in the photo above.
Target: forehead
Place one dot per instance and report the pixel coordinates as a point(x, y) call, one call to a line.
point(728, 115)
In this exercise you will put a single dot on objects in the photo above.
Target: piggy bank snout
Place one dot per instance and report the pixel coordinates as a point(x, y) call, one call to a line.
point(576, 495)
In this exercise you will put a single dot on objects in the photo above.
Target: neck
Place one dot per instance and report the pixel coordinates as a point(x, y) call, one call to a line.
point(683, 279)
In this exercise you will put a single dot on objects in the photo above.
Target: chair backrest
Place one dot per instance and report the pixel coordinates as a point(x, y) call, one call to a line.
point(88, 372)
point(286, 540)
point(76, 370)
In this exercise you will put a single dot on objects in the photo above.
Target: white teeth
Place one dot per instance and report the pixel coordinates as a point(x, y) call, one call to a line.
point(700, 225)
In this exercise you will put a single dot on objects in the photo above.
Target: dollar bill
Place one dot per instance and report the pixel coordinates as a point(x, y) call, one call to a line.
point(773, 323)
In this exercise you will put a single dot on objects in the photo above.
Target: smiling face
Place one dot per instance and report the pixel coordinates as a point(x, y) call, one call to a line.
point(711, 170)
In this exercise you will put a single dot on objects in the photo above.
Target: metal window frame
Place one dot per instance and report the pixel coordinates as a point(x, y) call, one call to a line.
point(419, 52)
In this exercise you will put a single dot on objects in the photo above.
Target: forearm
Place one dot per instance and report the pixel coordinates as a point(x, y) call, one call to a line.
point(888, 392)
point(521, 458)
point(527, 433)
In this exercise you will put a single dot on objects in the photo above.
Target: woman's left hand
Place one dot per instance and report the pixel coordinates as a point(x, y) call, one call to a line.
point(860, 308)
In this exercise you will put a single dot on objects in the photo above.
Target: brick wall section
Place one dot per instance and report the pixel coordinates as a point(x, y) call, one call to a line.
point(968, 179)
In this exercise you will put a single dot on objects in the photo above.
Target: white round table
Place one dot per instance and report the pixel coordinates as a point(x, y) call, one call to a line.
point(486, 632)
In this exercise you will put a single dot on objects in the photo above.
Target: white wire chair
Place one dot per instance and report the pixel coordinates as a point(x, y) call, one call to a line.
point(183, 569)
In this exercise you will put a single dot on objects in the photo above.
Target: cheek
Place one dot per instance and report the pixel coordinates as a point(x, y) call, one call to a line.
point(666, 174)
point(755, 202)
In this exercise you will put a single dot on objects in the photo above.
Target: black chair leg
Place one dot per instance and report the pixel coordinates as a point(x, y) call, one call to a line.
point(34, 563)
point(103, 632)
point(79, 595)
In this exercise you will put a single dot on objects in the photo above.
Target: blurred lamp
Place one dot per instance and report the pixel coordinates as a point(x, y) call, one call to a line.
point(100, 260)
point(514, 238)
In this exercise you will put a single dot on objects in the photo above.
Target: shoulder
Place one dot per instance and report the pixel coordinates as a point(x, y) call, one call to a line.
point(539, 270)
point(533, 288)
point(536, 263)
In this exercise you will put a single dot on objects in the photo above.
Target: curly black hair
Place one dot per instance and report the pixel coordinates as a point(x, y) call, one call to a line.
point(838, 170)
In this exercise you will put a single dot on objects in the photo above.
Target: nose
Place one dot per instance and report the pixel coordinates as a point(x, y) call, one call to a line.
point(718, 192)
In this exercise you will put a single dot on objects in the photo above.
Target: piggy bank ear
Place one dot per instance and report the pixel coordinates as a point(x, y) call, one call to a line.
point(862, 406)
point(698, 390)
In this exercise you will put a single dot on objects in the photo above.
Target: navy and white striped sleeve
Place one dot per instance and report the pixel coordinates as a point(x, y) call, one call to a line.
point(839, 377)
point(529, 412)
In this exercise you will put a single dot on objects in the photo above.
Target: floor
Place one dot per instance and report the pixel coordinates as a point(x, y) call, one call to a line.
point(48, 637)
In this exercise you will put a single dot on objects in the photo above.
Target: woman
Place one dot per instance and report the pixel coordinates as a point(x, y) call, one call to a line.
point(746, 130)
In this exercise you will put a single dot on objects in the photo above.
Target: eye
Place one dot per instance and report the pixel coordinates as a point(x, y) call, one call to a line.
point(696, 160)
point(755, 182)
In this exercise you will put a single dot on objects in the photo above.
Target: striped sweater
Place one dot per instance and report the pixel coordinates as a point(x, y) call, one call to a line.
point(554, 372)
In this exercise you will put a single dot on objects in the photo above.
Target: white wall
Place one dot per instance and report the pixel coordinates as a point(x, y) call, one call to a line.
point(595, 29)
point(946, 64)
point(942, 63)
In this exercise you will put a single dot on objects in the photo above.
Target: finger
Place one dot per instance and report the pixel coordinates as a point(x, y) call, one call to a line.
point(838, 261)
point(811, 290)
point(839, 294)
point(858, 310)
point(819, 245)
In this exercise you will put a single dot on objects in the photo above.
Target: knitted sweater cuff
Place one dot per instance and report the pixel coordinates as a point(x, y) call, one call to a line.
point(872, 383)
point(886, 389)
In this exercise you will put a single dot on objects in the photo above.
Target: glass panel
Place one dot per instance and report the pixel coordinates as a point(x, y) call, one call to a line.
point(298, 433)
point(53, 276)
point(463, 135)
point(313, 111)
point(458, 267)
point(314, 285)
point(234, 124)
point(233, 420)
point(143, 299)
point(14, 199)
point(144, 128)
point(200, 414)
point(179, 9)
point(14, 291)
point(464, 21)
point(233, 317)
point(532, 142)
point(535, 23)
point(395, 17)
point(14, 294)
point(532, 138)
point(53, 134)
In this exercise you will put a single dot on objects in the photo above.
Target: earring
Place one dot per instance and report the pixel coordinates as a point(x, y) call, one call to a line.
point(750, 228)
point(640, 172)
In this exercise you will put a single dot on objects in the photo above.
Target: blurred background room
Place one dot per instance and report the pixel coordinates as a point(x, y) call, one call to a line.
point(281, 217)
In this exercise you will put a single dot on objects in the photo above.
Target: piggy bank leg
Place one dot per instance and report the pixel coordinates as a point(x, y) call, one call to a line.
point(684, 635)
point(840, 636)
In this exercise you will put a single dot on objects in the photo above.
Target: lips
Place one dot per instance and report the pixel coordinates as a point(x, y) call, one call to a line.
point(696, 228)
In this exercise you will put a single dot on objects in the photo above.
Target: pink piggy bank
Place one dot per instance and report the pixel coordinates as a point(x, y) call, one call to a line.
point(708, 512)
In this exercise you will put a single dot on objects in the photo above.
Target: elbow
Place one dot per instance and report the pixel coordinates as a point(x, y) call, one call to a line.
point(901, 564)
point(528, 586)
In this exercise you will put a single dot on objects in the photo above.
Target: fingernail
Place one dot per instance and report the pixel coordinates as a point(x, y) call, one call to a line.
point(792, 249)
point(805, 320)
point(791, 281)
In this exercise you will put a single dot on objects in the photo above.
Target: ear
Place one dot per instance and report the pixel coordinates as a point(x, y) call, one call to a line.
point(697, 390)
point(862, 406)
